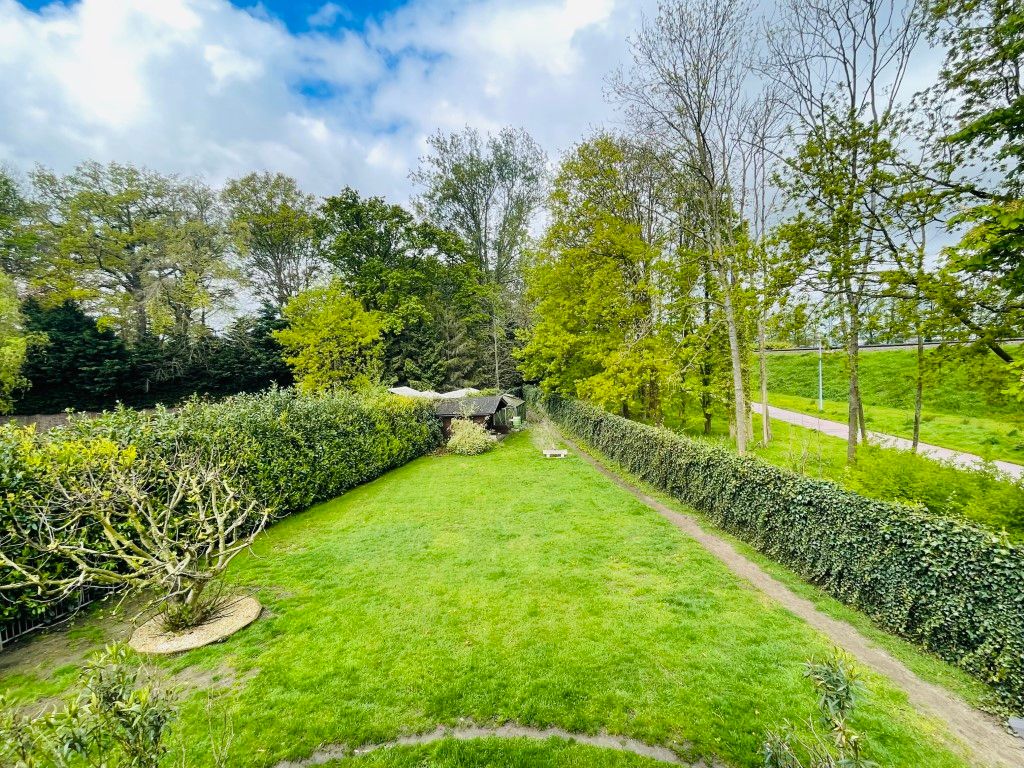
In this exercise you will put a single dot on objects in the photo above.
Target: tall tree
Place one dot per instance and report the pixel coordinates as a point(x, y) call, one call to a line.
point(982, 85)
point(487, 190)
point(596, 279)
point(273, 223)
point(75, 364)
point(16, 236)
point(840, 65)
point(106, 230)
point(13, 343)
point(688, 89)
point(196, 281)
point(418, 277)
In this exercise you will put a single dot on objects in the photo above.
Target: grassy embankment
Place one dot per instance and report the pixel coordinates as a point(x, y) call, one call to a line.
point(963, 404)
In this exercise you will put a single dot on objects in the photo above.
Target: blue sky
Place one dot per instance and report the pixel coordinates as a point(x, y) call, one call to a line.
point(303, 15)
point(333, 93)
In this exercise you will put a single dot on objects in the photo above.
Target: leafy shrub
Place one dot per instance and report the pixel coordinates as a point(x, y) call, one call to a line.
point(280, 449)
point(954, 588)
point(943, 489)
point(469, 438)
point(112, 721)
point(839, 689)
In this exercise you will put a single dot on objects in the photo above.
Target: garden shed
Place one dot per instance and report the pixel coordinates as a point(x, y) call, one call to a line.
point(495, 412)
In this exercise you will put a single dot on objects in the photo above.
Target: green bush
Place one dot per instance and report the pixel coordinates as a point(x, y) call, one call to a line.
point(955, 589)
point(284, 450)
point(980, 495)
point(469, 438)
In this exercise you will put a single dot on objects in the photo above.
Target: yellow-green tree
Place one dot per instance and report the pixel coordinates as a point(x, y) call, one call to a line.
point(13, 342)
point(330, 340)
point(595, 282)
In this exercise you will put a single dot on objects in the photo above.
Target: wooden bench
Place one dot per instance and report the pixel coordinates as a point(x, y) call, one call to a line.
point(555, 453)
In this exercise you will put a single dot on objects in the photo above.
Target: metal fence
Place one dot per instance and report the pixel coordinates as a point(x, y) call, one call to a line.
point(54, 614)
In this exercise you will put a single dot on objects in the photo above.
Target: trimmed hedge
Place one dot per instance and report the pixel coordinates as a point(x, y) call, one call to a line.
point(286, 450)
point(953, 588)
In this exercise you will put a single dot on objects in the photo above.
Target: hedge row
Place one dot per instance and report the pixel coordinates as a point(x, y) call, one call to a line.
point(953, 588)
point(286, 450)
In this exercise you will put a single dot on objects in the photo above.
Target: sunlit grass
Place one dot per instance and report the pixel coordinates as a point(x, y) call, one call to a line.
point(507, 587)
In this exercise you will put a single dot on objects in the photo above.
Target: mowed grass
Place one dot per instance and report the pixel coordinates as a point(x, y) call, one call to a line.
point(504, 588)
point(998, 437)
point(964, 407)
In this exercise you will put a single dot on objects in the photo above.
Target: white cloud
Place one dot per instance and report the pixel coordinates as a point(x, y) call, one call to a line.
point(327, 15)
point(203, 87)
point(226, 64)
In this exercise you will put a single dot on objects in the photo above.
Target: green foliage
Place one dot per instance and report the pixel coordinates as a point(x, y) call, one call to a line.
point(114, 720)
point(469, 438)
point(13, 343)
point(839, 688)
point(17, 240)
point(284, 449)
point(486, 190)
point(980, 78)
point(594, 283)
point(273, 225)
point(145, 249)
point(416, 275)
point(503, 588)
point(330, 340)
point(950, 586)
point(942, 489)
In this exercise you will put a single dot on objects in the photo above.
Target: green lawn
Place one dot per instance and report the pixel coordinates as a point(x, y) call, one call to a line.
point(502, 588)
point(964, 407)
point(997, 437)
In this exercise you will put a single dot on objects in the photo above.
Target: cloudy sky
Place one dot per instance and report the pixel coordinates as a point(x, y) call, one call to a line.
point(333, 93)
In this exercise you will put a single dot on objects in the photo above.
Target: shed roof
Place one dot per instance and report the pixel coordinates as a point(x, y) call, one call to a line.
point(474, 406)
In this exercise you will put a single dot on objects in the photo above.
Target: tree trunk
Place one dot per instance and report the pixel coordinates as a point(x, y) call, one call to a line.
point(919, 391)
point(494, 336)
point(860, 414)
point(739, 399)
point(853, 405)
point(762, 353)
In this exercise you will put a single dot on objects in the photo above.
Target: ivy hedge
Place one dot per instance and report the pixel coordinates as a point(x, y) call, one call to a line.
point(284, 449)
point(954, 588)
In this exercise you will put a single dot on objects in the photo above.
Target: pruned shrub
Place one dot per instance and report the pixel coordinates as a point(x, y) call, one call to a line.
point(469, 438)
point(952, 587)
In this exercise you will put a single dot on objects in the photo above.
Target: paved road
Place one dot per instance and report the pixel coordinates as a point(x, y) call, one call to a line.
point(838, 429)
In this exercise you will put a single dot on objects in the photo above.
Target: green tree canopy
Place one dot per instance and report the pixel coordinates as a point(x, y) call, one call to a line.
point(594, 282)
point(330, 340)
point(273, 224)
point(417, 277)
point(13, 343)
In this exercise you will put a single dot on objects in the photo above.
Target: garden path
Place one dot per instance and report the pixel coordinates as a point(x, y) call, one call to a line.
point(507, 731)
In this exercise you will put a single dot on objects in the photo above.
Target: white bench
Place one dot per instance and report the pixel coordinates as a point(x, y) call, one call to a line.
point(555, 453)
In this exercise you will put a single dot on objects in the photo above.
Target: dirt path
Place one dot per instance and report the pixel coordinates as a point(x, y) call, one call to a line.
point(987, 741)
point(508, 731)
point(838, 429)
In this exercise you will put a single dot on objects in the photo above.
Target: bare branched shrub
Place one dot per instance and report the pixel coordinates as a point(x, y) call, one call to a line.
point(138, 523)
